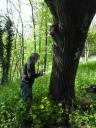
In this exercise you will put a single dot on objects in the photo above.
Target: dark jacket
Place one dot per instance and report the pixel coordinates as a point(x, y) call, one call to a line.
point(29, 73)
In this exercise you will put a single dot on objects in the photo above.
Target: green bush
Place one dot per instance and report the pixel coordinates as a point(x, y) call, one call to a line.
point(44, 112)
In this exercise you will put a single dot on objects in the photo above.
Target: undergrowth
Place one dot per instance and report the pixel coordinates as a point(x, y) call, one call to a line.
point(45, 113)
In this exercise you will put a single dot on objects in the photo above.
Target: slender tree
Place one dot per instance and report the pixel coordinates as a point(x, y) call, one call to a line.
point(1, 49)
point(8, 49)
point(22, 33)
point(72, 19)
point(46, 40)
point(34, 24)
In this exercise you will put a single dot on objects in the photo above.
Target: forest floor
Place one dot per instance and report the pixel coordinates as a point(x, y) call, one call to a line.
point(46, 114)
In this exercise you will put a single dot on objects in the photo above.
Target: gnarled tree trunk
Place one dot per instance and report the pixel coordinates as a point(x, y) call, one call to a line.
point(72, 19)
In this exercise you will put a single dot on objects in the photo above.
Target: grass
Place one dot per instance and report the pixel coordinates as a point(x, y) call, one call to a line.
point(42, 111)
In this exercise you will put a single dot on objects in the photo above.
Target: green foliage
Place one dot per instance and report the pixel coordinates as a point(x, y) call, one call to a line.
point(9, 40)
point(42, 21)
point(44, 112)
point(8, 100)
point(6, 38)
point(86, 75)
point(47, 114)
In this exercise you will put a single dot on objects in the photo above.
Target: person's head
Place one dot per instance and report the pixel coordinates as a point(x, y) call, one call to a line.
point(34, 57)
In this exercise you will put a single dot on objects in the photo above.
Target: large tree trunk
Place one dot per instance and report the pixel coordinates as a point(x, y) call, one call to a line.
point(72, 19)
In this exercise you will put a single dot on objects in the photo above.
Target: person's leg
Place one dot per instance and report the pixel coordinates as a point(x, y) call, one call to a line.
point(29, 97)
point(26, 93)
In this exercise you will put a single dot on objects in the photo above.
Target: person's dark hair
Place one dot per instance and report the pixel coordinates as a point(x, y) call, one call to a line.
point(34, 56)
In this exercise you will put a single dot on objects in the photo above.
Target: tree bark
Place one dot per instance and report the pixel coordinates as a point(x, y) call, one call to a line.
point(69, 31)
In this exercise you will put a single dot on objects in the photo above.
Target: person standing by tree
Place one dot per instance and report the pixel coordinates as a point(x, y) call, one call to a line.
point(28, 77)
point(27, 80)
